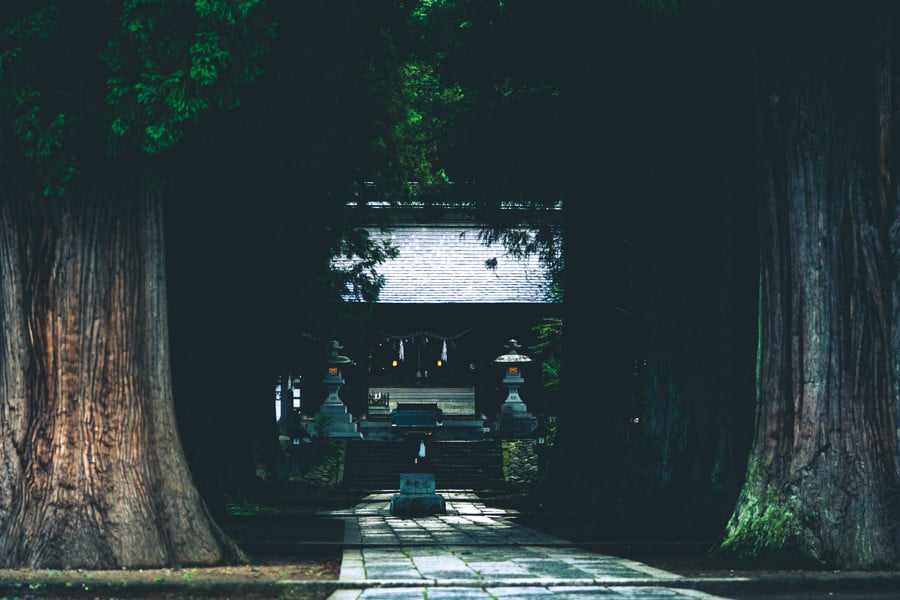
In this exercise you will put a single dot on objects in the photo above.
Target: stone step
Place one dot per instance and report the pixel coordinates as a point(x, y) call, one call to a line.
point(377, 465)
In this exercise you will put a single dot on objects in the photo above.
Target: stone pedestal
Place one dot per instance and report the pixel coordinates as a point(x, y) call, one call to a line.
point(338, 422)
point(514, 421)
point(417, 496)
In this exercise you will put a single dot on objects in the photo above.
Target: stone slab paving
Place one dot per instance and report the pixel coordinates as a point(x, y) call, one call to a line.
point(477, 552)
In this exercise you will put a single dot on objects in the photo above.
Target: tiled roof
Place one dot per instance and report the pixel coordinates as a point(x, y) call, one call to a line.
point(446, 264)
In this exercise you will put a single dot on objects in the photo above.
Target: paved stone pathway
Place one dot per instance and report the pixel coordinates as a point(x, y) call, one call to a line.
point(477, 552)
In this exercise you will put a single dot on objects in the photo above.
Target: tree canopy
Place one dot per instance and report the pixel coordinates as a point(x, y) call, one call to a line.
point(82, 86)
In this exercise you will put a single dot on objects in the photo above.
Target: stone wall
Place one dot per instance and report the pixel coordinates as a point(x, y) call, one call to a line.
point(321, 462)
point(524, 463)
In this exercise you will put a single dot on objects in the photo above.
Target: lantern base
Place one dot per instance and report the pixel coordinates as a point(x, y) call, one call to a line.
point(515, 422)
point(338, 422)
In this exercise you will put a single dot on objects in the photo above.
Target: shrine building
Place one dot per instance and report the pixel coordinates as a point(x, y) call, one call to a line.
point(448, 306)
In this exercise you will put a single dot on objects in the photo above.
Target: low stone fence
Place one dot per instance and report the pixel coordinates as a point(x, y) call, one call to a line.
point(524, 462)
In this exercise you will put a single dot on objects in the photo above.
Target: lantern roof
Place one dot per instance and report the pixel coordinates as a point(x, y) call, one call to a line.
point(334, 358)
point(512, 355)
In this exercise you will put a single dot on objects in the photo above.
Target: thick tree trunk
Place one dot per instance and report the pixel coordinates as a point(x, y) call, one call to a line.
point(822, 481)
point(92, 469)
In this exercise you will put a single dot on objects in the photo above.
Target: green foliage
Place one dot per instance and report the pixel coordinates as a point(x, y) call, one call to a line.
point(78, 85)
point(164, 75)
point(428, 99)
point(549, 348)
point(32, 123)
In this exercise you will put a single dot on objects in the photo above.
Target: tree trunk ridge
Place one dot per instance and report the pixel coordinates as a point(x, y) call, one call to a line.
point(94, 473)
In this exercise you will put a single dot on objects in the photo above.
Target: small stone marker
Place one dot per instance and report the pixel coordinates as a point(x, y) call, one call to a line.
point(417, 496)
point(417, 483)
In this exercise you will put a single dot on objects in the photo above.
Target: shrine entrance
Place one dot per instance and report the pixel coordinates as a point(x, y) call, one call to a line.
point(415, 359)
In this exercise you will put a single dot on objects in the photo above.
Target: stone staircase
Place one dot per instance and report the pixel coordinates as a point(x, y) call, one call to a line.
point(375, 465)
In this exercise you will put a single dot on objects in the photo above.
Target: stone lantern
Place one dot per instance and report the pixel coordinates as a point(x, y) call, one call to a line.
point(337, 422)
point(514, 420)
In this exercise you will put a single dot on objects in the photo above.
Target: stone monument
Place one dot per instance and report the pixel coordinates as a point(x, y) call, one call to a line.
point(416, 422)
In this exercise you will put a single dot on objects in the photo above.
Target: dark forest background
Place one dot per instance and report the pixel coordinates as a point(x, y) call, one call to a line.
point(727, 271)
point(640, 121)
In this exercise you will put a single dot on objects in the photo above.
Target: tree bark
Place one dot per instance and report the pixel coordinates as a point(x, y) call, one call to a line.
point(92, 468)
point(823, 478)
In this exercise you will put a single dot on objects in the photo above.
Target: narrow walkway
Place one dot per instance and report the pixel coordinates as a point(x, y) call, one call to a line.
point(477, 552)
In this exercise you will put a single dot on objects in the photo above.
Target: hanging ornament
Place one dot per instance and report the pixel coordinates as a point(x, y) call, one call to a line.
point(421, 449)
point(400, 354)
point(444, 351)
